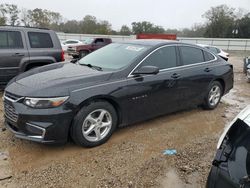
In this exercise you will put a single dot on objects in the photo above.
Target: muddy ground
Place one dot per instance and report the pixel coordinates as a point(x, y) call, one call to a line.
point(133, 157)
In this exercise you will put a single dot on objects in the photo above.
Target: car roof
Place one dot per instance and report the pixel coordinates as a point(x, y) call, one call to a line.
point(207, 45)
point(24, 28)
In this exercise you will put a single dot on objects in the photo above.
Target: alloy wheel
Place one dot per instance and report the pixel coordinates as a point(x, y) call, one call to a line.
point(97, 125)
point(214, 95)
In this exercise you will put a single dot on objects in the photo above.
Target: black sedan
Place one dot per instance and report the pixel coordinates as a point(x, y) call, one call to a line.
point(120, 84)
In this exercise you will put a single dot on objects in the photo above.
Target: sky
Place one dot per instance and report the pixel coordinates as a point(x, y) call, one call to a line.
point(173, 14)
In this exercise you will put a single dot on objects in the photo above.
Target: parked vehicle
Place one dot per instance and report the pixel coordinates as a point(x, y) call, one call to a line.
point(24, 48)
point(231, 165)
point(246, 62)
point(217, 51)
point(70, 42)
point(88, 46)
point(118, 85)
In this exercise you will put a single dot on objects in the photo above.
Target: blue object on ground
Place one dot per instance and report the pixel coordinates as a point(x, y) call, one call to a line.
point(169, 152)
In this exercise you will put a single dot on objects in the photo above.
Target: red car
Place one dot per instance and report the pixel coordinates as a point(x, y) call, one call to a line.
point(88, 46)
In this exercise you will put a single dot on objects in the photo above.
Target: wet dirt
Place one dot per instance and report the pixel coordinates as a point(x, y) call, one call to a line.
point(133, 157)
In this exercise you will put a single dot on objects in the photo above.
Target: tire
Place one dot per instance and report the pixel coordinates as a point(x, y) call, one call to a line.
point(75, 56)
point(244, 66)
point(97, 117)
point(213, 95)
point(83, 54)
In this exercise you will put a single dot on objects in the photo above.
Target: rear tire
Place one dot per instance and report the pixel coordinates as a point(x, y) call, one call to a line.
point(75, 56)
point(94, 124)
point(213, 95)
point(83, 54)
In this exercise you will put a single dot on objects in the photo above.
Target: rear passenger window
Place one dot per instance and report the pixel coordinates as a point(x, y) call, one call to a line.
point(163, 58)
point(40, 40)
point(214, 50)
point(10, 40)
point(191, 55)
point(208, 56)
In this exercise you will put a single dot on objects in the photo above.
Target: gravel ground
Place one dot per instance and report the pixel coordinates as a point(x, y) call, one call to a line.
point(133, 157)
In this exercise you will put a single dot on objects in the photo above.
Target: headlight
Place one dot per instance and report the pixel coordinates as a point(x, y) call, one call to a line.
point(45, 102)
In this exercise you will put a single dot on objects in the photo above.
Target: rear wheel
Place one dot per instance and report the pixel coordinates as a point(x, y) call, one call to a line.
point(213, 96)
point(94, 124)
point(83, 54)
point(75, 56)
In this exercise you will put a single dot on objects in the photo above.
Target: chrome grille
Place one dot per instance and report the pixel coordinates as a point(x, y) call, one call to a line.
point(10, 112)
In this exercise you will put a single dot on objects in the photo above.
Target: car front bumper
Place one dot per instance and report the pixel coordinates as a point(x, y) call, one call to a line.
point(39, 125)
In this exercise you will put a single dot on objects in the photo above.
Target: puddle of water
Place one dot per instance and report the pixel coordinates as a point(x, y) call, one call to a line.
point(173, 180)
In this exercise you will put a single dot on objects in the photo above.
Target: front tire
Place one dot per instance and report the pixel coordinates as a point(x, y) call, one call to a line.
point(94, 124)
point(213, 95)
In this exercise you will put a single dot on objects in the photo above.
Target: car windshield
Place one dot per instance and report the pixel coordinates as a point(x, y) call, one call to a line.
point(88, 41)
point(114, 56)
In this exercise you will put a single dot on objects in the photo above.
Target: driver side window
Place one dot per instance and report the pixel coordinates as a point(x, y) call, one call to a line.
point(162, 58)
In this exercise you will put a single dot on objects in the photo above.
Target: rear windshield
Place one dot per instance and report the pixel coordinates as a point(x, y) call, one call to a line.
point(114, 56)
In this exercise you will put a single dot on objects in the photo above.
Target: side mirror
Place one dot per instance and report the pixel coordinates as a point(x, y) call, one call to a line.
point(146, 70)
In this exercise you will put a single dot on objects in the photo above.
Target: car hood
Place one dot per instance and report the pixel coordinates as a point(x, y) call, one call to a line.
point(56, 80)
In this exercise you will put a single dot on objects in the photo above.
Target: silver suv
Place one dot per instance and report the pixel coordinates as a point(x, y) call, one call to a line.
point(24, 48)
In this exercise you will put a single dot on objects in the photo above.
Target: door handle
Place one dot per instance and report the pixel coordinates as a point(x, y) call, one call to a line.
point(18, 54)
point(207, 69)
point(175, 76)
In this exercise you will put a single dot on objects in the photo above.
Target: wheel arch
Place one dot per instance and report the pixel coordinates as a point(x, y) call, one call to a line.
point(105, 98)
point(222, 82)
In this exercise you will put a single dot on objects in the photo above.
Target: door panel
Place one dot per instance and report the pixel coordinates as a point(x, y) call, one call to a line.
point(11, 54)
point(150, 96)
point(153, 95)
point(196, 75)
point(193, 84)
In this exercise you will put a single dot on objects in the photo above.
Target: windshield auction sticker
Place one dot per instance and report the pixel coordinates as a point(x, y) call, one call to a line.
point(134, 48)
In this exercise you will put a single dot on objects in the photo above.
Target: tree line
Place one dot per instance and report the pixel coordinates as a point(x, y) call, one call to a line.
point(221, 21)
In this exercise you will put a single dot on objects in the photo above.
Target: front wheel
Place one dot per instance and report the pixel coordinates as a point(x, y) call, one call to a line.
point(213, 96)
point(94, 124)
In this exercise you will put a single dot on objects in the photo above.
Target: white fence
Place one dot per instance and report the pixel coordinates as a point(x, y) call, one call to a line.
point(225, 44)
point(115, 38)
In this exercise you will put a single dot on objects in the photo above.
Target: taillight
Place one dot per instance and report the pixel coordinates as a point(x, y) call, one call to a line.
point(62, 56)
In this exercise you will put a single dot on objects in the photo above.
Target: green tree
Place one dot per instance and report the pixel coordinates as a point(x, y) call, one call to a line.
point(125, 30)
point(103, 27)
point(243, 26)
point(3, 11)
point(146, 27)
point(220, 21)
point(40, 18)
point(88, 25)
point(71, 26)
point(13, 13)
point(26, 17)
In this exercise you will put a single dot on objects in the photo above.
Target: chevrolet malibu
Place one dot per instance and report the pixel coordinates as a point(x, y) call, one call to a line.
point(120, 84)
